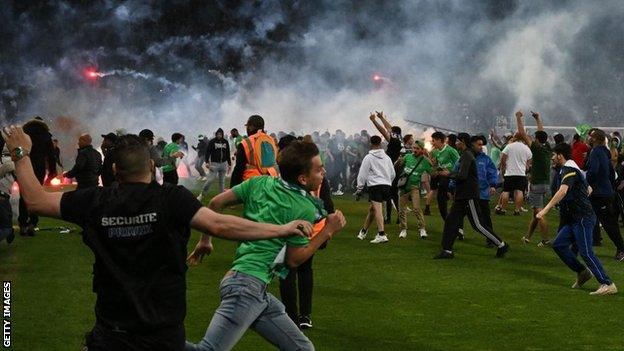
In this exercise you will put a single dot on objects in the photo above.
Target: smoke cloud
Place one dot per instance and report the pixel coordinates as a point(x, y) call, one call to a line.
point(196, 66)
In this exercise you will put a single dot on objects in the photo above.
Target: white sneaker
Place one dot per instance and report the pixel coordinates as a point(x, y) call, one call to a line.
point(379, 239)
point(337, 193)
point(605, 289)
point(403, 234)
point(423, 233)
point(200, 197)
point(362, 234)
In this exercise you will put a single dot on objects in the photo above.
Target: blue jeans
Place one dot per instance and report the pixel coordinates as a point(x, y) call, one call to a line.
point(217, 171)
point(581, 233)
point(246, 304)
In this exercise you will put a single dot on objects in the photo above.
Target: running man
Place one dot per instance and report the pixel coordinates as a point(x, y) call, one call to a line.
point(577, 223)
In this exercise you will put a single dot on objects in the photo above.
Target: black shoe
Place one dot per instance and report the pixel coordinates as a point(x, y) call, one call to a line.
point(500, 212)
point(23, 230)
point(444, 255)
point(305, 322)
point(501, 251)
point(516, 213)
point(10, 238)
point(31, 230)
point(427, 211)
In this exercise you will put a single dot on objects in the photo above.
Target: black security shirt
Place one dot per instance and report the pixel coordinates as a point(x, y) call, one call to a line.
point(138, 233)
point(575, 205)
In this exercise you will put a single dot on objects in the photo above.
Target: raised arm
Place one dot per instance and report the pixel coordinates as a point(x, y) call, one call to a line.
point(379, 127)
point(36, 198)
point(495, 141)
point(521, 131)
point(538, 120)
point(384, 120)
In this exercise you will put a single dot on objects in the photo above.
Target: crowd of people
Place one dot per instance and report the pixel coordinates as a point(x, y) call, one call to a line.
point(138, 227)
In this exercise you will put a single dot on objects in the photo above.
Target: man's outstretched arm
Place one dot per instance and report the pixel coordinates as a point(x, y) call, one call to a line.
point(36, 198)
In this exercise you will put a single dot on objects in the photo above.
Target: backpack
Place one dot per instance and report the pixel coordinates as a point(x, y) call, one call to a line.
point(262, 153)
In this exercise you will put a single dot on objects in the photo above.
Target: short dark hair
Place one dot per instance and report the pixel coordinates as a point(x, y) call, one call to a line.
point(296, 159)
point(463, 137)
point(285, 141)
point(541, 136)
point(438, 136)
point(475, 138)
point(564, 150)
point(407, 137)
point(598, 135)
point(256, 121)
point(576, 137)
point(559, 138)
point(176, 136)
point(396, 130)
point(452, 138)
point(132, 156)
point(375, 140)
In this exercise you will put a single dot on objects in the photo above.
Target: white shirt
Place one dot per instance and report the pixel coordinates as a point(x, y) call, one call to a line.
point(376, 169)
point(517, 156)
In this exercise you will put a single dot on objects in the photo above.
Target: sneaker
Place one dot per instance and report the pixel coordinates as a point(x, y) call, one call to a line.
point(500, 211)
point(444, 255)
point(526, 240)
point(403, 234)
point(200, 197)
point(582, 278)
point(423, 233)
point(31, 230)
point(516, 213)
point(460, 234)
point(427, 211)
point(543, 243)
point(305, 322)
point(337, 193)
point(523, 209)
point(64, 230)
point(619, 256)
point(380, 239)
point(362, 234)
point(605, 289)
point(501, 251)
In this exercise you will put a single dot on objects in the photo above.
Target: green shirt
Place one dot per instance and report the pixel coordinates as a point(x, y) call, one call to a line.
point(168, 150)
point(540, 164)
point(238, 140)
point(495, 155)
point(447, 157)
point(412, 161)
point(272, 200)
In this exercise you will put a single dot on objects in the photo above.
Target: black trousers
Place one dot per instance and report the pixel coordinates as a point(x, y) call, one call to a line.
point(102, 338)
point(606, 212)
point(171, 177)
point(24, 218)
point(477, 218)
point(394, 197)
point(302, 275)
point(442, 196)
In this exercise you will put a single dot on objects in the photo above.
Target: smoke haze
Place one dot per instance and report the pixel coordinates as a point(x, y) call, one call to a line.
point(194, 66)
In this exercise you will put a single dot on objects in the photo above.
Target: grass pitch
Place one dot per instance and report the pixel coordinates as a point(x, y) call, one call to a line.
point(391, 296)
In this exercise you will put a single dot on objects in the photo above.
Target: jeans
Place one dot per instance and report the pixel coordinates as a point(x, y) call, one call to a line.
point(217, 170)
point(199, 165)
point(579, 233)
point(245, 304)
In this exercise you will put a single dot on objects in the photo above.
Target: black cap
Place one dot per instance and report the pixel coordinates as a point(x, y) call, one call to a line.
point(110, 136)
point(146, 134)
point(464, 137)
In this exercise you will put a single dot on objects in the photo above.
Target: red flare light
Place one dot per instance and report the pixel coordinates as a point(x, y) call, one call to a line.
point(377, 77)
point(92, 74)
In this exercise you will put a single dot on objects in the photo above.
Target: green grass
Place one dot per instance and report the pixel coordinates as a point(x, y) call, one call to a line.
point(366, 297)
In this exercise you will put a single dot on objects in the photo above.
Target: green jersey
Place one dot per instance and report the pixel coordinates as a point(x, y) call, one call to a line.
point(540, 164)
point(237, 141)
point(495, 155)
point(446, 157)
point(422, 166)
point(272, 200)
point(170, 149)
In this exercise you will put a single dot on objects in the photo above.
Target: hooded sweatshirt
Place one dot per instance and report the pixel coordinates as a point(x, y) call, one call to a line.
point(218, 150)
point(376, 169)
